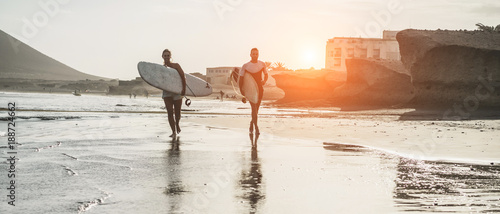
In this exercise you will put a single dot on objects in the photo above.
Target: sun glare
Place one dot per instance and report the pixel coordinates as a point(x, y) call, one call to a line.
point(308, 57)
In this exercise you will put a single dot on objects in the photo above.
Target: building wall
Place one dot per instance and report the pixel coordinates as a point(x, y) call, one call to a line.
point(391, 35)
point(339, 49)
point(219, 75)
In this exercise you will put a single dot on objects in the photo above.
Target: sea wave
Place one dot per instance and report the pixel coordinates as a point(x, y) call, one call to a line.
point(40, 118)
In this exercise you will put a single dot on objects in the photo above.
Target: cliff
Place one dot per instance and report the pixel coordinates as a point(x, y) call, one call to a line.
point(452, 69)
point(373, 83)
point(308, 85)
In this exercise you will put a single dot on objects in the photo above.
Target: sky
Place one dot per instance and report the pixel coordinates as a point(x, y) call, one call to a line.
point(108, 38)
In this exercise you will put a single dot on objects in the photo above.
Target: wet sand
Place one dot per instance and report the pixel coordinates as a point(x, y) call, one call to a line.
point(467, 141)
point(126, 163)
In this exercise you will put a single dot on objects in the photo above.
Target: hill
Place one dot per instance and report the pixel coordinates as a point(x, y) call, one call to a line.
point(20, 61)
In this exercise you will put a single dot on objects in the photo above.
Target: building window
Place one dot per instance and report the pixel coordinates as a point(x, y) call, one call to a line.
point(376, 53)
point(362, 53)
point(336, 62)
point(338, 52)
point(350, 52)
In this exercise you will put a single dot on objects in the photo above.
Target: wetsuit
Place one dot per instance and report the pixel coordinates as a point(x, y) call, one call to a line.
point(256, 70)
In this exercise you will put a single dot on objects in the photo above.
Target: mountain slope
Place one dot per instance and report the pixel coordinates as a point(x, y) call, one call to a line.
point(20, 61)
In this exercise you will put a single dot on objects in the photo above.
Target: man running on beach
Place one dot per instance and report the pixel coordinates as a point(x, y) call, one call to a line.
point(256, 68)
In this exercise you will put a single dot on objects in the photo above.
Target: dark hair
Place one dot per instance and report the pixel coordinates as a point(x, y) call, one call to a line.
point(254, 49)
point(166, 50)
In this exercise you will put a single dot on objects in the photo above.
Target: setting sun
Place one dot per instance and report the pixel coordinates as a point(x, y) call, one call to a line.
point(308, 56)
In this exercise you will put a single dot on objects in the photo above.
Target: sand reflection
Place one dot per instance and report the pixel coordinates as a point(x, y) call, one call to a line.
point(251, 179)
point(175, 187)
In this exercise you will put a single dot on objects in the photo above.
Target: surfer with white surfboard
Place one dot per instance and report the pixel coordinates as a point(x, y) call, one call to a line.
point(172, 80)
point(173, 101)
point(251, 86)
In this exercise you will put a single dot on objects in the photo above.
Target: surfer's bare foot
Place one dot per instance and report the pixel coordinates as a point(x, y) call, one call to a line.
point(173, 135)
point(178, 129)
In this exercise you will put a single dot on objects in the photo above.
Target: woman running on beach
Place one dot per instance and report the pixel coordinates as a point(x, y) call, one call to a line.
point(256, 68)
point(173, 102)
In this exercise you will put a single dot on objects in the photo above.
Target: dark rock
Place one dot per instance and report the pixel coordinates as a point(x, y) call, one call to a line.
point(452, 68)
point(374, 83)
point(310, 85)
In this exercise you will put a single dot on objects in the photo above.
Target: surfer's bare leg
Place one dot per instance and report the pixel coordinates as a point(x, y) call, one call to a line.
point(177, 108)
point(255, 112)
point(251, 127)
point(169, 105)
point(257, 107)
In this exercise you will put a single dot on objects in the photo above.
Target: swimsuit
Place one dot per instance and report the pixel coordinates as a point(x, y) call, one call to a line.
point(256, 70)
point(170, 94)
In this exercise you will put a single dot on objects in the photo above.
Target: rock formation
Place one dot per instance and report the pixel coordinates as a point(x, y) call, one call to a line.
point(452, 69)
point(373, 83)
point(309, 85)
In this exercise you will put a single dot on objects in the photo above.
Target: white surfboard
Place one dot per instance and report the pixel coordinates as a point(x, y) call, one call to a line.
point(168, 79)
point(250, 86)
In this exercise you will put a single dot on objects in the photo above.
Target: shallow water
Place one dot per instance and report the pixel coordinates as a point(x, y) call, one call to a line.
point(73, 105)
point(80, 159)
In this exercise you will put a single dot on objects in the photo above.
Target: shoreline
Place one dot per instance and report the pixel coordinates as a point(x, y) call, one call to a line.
point(424, 135)
point(304, 158)
point(471, 141)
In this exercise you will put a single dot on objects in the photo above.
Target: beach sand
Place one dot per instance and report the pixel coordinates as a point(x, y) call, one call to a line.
point(322, 161)
point(474, 141)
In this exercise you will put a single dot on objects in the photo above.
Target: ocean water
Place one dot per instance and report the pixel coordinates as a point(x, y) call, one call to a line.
point(45, 102)
point(112, 154)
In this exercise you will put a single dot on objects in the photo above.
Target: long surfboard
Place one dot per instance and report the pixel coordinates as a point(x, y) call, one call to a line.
point(250, 86)
point(168, 79)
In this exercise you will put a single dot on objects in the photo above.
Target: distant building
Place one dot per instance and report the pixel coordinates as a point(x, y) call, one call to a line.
point(339, 49)
point(219, 75)
point(199, 75)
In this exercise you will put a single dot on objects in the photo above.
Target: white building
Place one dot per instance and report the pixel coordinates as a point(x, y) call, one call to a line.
point(339, 49)
point(219, 75)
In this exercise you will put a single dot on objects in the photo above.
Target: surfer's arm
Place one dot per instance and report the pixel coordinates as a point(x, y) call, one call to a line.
point(183, 78)
point(264, 70)
point(265, 78)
